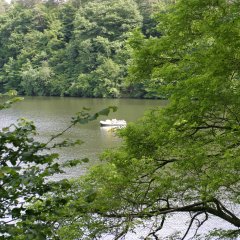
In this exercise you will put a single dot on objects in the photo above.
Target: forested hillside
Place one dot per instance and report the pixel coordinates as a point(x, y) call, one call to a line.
point(73, 48)
point(176, 165)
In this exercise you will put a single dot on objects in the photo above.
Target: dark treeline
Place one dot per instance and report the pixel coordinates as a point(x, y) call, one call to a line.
point(74, 48)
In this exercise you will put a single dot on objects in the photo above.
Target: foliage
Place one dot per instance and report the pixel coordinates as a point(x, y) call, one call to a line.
point(185, 157)
point(98, 47)
point(76, 40)
point(30, 201)
point(7, 103)
point(3, 6)
point(22, 176)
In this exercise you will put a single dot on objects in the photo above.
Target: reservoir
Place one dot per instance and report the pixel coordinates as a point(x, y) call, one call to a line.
point(51, 115)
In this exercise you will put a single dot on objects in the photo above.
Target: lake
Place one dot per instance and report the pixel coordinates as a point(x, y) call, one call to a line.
point(53, 114)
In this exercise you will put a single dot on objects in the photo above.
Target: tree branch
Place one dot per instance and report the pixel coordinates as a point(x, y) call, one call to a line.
point(153, 233)
point(196, 207)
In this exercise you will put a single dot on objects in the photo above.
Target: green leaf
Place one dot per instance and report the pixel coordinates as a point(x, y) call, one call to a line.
point(16, 212)
point(85, 160)
point(104, 112)
point(114, 108)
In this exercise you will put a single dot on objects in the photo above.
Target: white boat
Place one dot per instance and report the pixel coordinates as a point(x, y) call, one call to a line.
point(113, 123)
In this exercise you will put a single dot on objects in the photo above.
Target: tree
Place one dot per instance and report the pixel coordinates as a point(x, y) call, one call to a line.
point(3, 6)
point(36, 81)
point(74, 38)
point(33, 42)
point(185, 157)
point(100, 31)
point(29, 200)
point(24, 167)
point(22, 39)
point(147, 10)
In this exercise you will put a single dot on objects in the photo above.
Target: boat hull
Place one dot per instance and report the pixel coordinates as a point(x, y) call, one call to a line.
point(113, 123)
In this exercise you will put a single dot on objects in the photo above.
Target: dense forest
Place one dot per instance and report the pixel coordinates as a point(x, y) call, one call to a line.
point(73, 48)
point(183, 158)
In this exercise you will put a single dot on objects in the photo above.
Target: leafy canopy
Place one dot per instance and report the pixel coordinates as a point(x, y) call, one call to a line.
point(185, 157)
point(63, 48)
point(29, 201)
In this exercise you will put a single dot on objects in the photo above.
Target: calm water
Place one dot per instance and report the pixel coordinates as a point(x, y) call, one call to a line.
point(53, 114)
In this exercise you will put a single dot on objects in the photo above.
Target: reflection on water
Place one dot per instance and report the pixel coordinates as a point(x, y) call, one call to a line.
point(109, 133)
point(53, 114)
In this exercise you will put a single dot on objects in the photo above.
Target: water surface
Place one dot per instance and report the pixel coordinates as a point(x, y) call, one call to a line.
point(53, 114)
